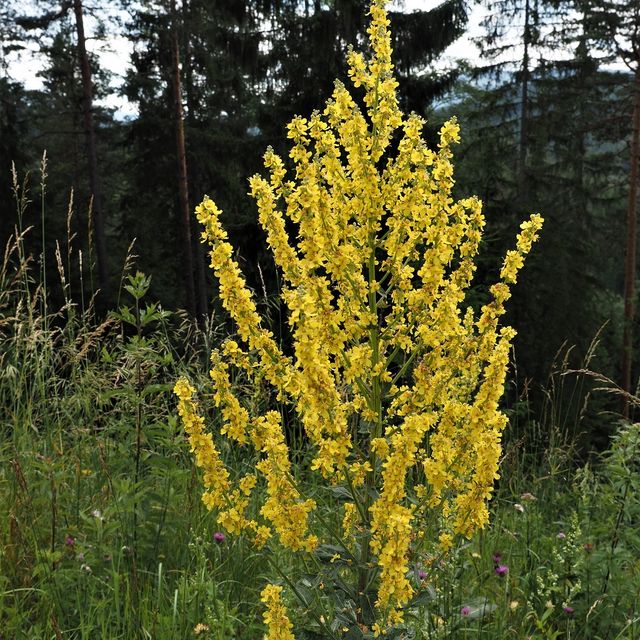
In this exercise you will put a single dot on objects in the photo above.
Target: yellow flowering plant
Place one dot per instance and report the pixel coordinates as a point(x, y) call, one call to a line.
point(395, 380)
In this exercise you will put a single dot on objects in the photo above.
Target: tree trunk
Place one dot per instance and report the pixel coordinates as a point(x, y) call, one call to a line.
point(630, 261)
point(202, 306)
point(92, 153)
point(524, 107)
point(183, 185)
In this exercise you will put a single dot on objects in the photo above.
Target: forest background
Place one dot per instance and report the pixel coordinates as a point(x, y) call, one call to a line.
point(102, 531)
point(546, 110)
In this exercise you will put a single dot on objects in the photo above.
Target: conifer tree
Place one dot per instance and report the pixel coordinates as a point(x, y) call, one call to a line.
point(97, 212)
point(181, 154)
point(209, 50)
point(513, 34)
point(613, 26)
point(307, 47)
point(64, 119)
point(572, 176)
point(46, 16)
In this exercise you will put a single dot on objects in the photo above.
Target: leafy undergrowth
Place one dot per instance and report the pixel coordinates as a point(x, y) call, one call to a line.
point(103, 534)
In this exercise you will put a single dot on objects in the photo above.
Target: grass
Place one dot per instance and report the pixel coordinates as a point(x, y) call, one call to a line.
point(103, 534)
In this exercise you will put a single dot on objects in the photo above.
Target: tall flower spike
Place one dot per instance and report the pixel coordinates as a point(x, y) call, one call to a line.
point(391, 376)
point(216, 476)
point(275, 617)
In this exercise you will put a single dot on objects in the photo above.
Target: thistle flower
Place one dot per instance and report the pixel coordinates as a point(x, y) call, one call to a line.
point(501, 570)
point(218, 536)
point(465, 611)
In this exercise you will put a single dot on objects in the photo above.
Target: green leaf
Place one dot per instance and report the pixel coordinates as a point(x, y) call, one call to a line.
point(423, 597)
point(341, 493)
point(331, 553)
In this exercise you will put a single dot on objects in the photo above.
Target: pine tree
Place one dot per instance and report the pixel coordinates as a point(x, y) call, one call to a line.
point(613, 27)
point(216, 46)
point(567, 163)
point(308, 41)
point(59, 17)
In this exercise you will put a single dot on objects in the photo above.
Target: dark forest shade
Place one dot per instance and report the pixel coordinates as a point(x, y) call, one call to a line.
point(215, 82)
point(92, 151)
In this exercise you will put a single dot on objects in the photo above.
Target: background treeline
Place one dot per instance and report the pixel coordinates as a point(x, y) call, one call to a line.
point(547, 120)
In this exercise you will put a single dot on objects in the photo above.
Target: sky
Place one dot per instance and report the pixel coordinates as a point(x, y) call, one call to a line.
point(461, 48)
point(115, 53)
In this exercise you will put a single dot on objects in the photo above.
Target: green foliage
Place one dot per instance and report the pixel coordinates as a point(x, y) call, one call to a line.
point(573, 158)
point(87, 551)
point(97, 491)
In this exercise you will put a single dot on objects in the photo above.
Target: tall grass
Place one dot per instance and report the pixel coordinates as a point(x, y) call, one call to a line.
point(103, 534)
point(101, 527)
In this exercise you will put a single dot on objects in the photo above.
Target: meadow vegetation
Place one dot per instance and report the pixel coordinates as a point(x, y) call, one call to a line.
point(103, 531)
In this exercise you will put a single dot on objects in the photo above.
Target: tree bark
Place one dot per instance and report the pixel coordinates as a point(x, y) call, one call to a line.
point(202, 306)
point(183, 184)
point(92, 153)
point(524, 107)
point(630, 260)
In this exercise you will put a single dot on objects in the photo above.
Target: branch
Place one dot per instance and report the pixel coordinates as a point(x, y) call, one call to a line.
point(44, 21)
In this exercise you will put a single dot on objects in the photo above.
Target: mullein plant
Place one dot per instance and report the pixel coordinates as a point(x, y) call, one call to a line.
point(395, 381)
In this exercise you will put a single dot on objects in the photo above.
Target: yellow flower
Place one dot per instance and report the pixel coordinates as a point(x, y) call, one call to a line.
point(200, 628)
point(216, 476)
point(446, 541)
point(349, 520)
point(391, 375)
point(283, 507)
point(275, 617)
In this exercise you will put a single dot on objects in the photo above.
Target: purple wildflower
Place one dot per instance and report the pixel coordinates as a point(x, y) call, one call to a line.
point(218, 537)
point(69, 541)
point(502, 570)
point(568, 610)
point(465, 611)
point(422, 574)
point(497, 557)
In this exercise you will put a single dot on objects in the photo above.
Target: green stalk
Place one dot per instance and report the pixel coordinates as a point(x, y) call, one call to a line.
point(375, 404)
point(43, 177)
point(298, 595)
